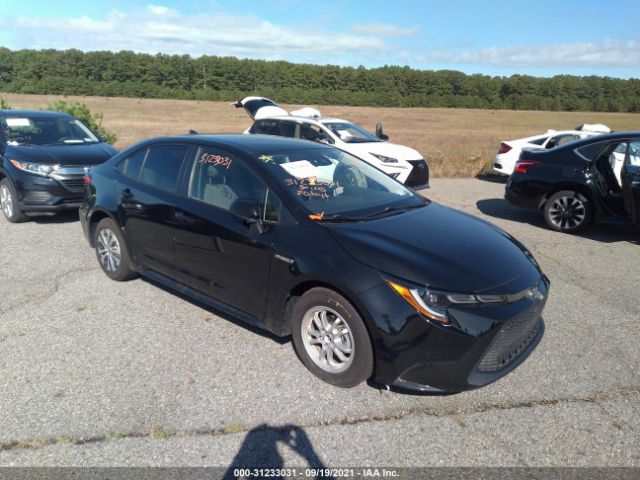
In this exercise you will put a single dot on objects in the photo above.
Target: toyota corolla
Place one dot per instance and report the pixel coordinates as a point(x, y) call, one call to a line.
point(372, 281)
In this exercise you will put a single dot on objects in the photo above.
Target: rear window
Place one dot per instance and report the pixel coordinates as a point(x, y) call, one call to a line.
point(591, 151)
point(132, 165)
point(539, 141)
point(162, 166)
point(266, 127)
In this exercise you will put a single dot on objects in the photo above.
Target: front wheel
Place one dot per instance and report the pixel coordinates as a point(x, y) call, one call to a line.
point(112, 252)
point(568, 211)
point(331, 338)
point(9, 202)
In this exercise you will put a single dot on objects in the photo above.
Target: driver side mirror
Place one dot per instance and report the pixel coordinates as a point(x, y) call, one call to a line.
point(102, 138)
point(379, 133)
point(248, 210)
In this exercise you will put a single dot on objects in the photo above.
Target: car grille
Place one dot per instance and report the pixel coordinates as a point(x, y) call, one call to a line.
point(419, 173)
point(75, 185)
point(511, 341)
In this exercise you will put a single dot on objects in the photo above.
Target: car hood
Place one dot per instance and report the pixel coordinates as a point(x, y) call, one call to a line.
point(91, 154)
point(399, 152)
point(442, 248)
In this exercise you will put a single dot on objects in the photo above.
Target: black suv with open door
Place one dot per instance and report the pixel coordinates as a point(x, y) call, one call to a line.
point(594, 179)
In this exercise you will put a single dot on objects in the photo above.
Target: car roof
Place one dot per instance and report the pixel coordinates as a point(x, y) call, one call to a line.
point(249, 144)
point(33, 113)
point(596, 138)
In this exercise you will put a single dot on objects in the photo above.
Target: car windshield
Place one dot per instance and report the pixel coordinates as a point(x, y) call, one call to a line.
point(333, 185)
point(26, 130)
point(351, 133)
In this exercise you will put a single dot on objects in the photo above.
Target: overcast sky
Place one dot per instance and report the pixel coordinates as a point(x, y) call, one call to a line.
point(492, 37)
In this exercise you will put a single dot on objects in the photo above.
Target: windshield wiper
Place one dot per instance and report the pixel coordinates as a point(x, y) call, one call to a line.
point(340, 218)
point(393, 210)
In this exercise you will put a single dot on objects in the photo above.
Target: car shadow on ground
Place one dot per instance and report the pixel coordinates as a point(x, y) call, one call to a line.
point(605, 233)
point(492, 178)
point(62, 217)
point(223, 315)
point(263, 446)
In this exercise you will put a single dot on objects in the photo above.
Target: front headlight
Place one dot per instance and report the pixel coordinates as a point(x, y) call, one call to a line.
point(37, 168)
point(434, 304)
point(384, 159)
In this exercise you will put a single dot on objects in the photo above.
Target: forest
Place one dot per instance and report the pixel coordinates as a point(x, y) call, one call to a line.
point(129, 74)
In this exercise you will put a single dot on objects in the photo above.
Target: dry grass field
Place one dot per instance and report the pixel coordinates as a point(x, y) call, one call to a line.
point(457, 142)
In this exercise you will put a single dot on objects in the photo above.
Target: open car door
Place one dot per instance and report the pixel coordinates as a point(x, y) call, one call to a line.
point(260, 107)
point(630, 179)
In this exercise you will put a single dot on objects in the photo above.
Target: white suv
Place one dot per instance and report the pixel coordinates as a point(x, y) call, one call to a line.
point(402, 163)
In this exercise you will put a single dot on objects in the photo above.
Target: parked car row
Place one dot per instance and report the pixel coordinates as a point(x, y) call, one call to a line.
point(573, 185)
point(371, 280)
point(505, 161)
point(44, 156)
point(402, 163)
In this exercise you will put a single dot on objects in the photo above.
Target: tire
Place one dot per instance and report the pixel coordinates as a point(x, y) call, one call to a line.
point(343, 356)
point(111, 251)
point(9, 202)
point(568, 211)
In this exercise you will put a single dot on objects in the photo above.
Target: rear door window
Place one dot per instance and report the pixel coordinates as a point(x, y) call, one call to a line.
point(162, 166)
point(288, 129)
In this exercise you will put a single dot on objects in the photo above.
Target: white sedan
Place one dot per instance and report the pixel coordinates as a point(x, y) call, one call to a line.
point(402, 163)
point(509, 151)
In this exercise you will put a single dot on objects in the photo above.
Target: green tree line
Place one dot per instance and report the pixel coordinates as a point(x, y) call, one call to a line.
point(129, 74)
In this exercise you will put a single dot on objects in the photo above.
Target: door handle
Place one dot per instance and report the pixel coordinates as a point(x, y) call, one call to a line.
point(181, 217)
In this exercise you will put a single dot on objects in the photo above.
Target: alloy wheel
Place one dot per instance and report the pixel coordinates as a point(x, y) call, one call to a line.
point(567, 212)
point(6, 201)
point(327, 339)
point(109, 251)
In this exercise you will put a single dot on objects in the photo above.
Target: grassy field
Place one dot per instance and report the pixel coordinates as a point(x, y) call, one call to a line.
point(457, 142)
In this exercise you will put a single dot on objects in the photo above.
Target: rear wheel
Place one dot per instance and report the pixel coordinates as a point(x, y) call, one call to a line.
point(568, 211)
point(9, 202)
point(112, 252)
point(331, 338)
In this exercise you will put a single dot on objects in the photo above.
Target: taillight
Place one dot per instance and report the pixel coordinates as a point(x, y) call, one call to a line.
point(504, 148)
point(86, 179)
point(523, 165)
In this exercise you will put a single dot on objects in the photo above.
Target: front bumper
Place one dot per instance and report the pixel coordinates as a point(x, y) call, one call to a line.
point(481, 345)
point(39, 195)
point(419, 176)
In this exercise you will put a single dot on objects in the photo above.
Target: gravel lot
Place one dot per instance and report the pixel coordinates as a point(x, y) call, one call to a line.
point(99, 373)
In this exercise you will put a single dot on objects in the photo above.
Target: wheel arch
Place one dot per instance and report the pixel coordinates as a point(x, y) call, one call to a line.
point(576, 187)
point(93, 220)
point(300, 288)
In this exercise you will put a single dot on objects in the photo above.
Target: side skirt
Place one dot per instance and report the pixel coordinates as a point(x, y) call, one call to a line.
point(218, 307)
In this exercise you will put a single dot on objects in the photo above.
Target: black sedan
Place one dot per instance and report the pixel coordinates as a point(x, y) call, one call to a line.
point(595, 179)
point(371, 280)
point(43, 156)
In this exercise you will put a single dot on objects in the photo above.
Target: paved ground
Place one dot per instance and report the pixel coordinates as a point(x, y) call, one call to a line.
point(94, 372)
